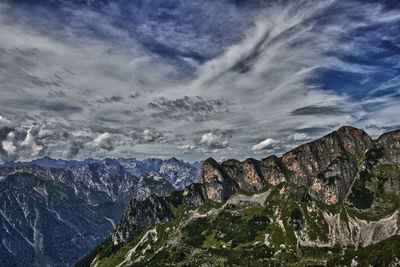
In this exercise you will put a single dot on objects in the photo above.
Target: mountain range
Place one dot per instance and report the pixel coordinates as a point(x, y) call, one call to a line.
point(53, 212)
point(333, 201)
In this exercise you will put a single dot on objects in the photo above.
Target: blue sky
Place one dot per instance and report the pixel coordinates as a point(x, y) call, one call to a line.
point(192, 79)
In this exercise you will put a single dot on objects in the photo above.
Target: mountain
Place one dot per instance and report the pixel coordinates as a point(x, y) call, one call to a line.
point(106, 180)
point(324, 203)
point(180, 174)
point(44, 223)
point(56, 211)
point(152, 183)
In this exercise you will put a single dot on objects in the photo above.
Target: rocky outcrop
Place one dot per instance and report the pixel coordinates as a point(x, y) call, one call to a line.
point(272, 170)
point(247, 174)
point(217, 184)
point(140, 214)
point(193, 195)
point(308, 160)
point(331, 185)
point(390, 142)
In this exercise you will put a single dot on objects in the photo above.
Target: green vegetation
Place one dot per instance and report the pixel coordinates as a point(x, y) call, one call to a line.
point(101, 251)
point(381, 254)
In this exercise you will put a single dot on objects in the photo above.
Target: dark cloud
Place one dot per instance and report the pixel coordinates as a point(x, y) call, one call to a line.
point(108, 100)
point(189, 108)
point(148, 136)
point(317, 110)
point(135, 95)
point(58, 106)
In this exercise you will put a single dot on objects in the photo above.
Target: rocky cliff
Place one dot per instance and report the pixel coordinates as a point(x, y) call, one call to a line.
point(326, 166)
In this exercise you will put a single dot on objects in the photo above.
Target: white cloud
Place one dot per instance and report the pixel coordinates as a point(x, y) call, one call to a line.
point(103, 141)
point(214, 141)
point(266, 144)
point(186, 147)
point(299, 137)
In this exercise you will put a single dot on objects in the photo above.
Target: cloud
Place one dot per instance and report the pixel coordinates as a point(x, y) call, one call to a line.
point(266, 144)
point(186, 148)
point(214, 141)
point(103, 141)
point(189, 108)
point(317, 110)
point(22, 143)
point(109, 100)
point(148, 136)
point(299, 137)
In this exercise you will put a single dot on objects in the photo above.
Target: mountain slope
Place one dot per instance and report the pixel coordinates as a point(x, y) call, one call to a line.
point(44, 223)
point(325, 198)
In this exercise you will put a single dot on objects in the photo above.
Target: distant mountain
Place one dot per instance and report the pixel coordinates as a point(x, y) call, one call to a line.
point(333, 201)
point(79, 201)
point(107, 179)
point(180, 174)
point(48, 162)
point(152, 183)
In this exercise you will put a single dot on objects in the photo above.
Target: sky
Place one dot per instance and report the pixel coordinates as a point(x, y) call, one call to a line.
point(192, 79)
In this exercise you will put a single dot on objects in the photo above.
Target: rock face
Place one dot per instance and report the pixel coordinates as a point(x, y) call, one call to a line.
point(308, 160)
point(272, 170)
point(217, 184)
point(390, 142)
